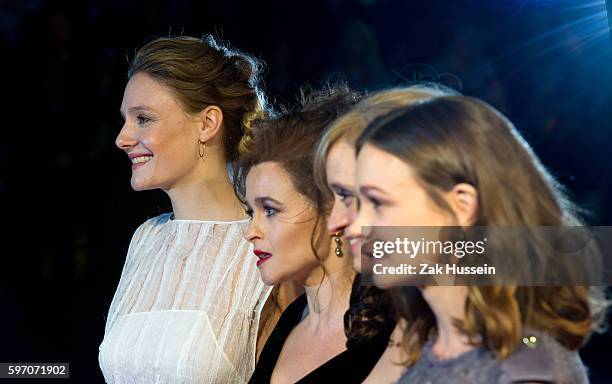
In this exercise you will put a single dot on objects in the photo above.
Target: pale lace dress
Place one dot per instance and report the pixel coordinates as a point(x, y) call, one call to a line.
point(187, 306)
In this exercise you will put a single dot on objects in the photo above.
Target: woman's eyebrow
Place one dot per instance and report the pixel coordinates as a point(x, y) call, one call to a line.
point(340, 186)
point(137, 108)
point(261, 200)
point(367, 188)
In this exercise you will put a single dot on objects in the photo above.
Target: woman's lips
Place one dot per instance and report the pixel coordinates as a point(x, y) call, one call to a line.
point(139, 159)
point(263, 259)
point(262, 256)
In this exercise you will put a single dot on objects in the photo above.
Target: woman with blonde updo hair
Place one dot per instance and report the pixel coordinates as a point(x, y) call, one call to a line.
point(187, 306)
point(371, 308)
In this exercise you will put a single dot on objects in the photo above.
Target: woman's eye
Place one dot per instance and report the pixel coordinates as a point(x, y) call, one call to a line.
point(249, 212)
point(142, 119)
point(375, 202)
point(344, 195)
point(270, 211)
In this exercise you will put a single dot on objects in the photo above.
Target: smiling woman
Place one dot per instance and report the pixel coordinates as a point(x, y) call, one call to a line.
point(189, 299)
point(156, 133)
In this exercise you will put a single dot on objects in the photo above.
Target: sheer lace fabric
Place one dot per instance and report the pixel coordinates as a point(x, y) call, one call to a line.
point(187, 306)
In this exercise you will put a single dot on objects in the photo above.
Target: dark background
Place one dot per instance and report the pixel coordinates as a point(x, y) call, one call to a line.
point(68, 211)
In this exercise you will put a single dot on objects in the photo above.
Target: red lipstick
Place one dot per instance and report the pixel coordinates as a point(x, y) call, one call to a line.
point(262, 256)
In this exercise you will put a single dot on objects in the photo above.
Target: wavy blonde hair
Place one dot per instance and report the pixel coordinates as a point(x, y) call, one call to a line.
point(457, 139)
point(350, 125)
point(371, 310)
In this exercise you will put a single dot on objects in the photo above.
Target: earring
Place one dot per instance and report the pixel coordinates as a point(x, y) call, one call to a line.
point(338, 241)
point(202, 149)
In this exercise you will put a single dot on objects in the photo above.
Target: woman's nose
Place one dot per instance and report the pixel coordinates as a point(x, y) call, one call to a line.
point(126, 138)
point(356, 222)
point(338, 219)
point(252, 232)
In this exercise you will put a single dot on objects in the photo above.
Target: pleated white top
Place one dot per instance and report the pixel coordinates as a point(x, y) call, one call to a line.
point(187, 306)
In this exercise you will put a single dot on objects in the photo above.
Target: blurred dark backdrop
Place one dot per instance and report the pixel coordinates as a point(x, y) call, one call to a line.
point(68, 212)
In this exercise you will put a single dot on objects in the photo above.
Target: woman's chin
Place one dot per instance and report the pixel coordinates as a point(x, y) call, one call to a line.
point(269, 282)
point(357, 264)
point(267, 279)
point(387, 282)
point(139, 185)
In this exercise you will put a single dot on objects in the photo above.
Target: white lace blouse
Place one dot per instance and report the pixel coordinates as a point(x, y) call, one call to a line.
point(187, 306)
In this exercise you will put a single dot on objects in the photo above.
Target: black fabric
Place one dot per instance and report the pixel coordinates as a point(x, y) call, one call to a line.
point(350, 366)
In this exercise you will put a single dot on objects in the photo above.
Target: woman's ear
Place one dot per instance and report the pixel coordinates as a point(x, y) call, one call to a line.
point(463, 200)
point(212, 120)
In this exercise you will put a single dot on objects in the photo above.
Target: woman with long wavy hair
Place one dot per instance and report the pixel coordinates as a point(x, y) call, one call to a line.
point(456, 161)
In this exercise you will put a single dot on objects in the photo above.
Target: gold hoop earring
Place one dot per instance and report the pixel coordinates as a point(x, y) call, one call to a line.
point(338, 241)
point(202, 149)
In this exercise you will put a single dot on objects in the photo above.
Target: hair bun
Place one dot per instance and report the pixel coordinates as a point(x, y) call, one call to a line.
point(204, 72)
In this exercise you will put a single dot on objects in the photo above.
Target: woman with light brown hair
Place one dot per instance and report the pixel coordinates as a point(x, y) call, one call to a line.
point(456, 161)
point(334, 172)
point(187, 306)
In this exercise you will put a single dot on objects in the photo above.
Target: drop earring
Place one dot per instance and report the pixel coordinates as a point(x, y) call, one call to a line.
point(338, 241)
point(202, 149)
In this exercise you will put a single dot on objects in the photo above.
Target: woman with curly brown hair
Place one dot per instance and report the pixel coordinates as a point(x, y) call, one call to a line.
point(187, 306)
point(456, 161)
point(288, 229)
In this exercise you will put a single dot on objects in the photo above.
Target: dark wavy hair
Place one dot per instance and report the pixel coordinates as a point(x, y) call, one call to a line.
point(371, 311)
point(290, 139)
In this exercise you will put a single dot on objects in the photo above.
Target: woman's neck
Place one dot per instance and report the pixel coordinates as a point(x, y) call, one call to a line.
point(448, 305)
point(208, 195)
point(328, 293)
